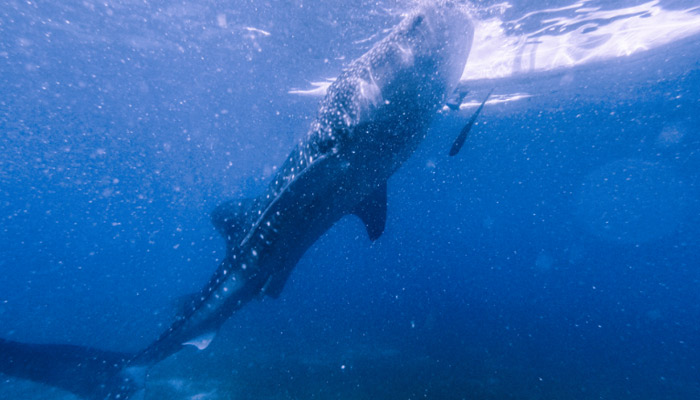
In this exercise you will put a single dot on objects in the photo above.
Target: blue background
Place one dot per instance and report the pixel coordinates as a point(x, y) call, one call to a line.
point(556, 257)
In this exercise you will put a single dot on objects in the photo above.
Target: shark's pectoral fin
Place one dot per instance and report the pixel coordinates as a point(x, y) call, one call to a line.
point(372, 211)
point(201, 342)
point(231, 218)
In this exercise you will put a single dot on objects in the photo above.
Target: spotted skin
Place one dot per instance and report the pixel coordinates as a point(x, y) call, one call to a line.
point(372, 119)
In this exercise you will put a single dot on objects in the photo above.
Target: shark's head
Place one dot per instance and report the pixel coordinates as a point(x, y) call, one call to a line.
point(441, 31)
point(388, 96)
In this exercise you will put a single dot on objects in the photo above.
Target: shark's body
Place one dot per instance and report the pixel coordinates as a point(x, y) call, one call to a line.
point(371, 120)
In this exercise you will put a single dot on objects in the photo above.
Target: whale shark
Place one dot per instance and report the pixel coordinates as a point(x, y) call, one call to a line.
point(372, 119)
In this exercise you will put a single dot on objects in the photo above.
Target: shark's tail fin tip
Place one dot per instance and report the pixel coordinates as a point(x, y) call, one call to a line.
point(89, 373)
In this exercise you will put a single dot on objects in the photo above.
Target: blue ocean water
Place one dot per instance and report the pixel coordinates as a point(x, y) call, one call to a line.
point(556, 257)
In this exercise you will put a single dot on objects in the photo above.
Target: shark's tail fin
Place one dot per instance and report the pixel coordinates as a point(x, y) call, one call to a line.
point(89, 373)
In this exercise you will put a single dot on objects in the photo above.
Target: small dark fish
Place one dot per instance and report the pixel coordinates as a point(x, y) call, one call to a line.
point(459, 142)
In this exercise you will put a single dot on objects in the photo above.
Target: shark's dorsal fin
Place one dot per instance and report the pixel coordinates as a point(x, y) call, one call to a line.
point(231, 218)
point(372, 211)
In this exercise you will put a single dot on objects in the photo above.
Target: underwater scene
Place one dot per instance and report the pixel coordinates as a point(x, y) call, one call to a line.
point(388, 199)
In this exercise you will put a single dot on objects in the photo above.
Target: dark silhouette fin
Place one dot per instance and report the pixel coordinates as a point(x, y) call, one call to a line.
point(232, 220)
point(86, 372)
point(459, 142)
point(372, 211)
point(455, 99)
point(274, 285)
